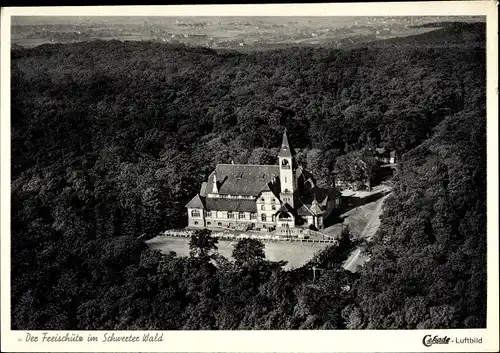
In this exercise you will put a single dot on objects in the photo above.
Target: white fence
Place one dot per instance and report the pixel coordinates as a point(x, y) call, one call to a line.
point(182, 233)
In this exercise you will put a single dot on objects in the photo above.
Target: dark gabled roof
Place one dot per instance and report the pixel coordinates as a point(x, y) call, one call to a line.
point(310, 209)
point(240, 179)
point(322, 195)
point(304, 211)
point(266, 188)
point(235, 205)
point(316, 208)
point(196, 202)
point(286, 208)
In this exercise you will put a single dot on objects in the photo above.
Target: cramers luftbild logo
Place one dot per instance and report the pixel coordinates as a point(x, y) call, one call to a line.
point(429, 340)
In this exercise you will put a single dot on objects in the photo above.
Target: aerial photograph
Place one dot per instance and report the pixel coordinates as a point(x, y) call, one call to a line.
point(248, 173)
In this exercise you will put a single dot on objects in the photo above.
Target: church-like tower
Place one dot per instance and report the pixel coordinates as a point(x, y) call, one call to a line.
point(287, 173)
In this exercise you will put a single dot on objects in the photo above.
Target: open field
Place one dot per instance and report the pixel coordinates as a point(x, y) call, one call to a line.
point(297, 254)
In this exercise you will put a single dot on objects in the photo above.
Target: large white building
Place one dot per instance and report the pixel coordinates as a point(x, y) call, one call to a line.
point(282, 198)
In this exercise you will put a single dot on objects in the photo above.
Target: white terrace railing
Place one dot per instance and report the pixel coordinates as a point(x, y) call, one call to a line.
point(226, 235)
point(183, 233)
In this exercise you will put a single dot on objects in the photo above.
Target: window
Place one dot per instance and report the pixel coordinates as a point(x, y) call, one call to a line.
point(273, 200)
point(230, 215)
point(209, 213)
point(274, 208)
point(261, 199)
point(219, 224)
point(241, 215)
point(195, 213)
point(253, 215)
point(209, 223)
point(285, 179)
point(196, 223)
point(263, 217)
point(262, 207)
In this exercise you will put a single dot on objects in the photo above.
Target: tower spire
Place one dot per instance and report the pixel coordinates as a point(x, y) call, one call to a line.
point(286, 150)
point(285, 140)
point(287, 172)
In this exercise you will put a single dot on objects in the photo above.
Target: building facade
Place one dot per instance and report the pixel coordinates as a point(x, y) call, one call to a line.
point(282, 198)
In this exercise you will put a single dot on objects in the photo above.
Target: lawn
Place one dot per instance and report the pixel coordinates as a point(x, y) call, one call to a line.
point(297, 254)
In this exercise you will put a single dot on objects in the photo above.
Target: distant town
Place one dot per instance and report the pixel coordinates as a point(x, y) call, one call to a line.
point(226, 33)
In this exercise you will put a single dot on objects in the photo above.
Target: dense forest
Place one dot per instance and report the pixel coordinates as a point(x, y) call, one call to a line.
point(111, 139)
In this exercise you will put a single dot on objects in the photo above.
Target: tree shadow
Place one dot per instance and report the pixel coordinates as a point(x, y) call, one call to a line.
point(348, 203)
point(383, 173)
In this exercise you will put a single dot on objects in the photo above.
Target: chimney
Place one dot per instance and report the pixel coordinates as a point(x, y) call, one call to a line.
point(215, 188)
